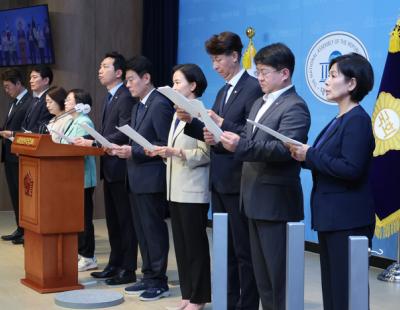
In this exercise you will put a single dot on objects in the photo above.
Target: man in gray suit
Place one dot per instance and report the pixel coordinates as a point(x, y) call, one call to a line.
point(271, 193)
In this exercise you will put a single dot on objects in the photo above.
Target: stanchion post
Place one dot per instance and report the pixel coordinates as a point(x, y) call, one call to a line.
point(295, 266)
point(220, 262)
point(358, 273)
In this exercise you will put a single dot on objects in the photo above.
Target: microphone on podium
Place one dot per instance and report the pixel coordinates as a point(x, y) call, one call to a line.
point(79, 107)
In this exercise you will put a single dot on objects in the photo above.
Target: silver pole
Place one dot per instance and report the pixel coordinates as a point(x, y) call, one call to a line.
point(220, 262)
point(295, 266)
point(358, 273)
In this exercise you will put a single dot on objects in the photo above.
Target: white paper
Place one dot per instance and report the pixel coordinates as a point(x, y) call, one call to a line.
point(62, 136)
point(137, 137)
point(98, 137)
point(274, 133)
point(194, 107)
point(11, 139)
point(180, 100)
point(207, 120)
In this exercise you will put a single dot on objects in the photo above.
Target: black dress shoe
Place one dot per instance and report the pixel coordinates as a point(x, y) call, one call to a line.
point(15, 235)
point(108, 272)
point(123, 277)
point(19, 240)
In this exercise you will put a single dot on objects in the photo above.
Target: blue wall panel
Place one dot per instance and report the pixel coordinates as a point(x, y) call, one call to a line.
point(299, 24)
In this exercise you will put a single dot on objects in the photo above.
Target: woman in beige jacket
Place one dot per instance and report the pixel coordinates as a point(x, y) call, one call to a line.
point(188, 195)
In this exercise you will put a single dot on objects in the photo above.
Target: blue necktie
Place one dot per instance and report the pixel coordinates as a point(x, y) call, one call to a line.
point(140, 111)
point(223, 98)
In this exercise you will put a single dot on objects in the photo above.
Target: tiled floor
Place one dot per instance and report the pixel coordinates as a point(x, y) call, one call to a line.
point(15, 296)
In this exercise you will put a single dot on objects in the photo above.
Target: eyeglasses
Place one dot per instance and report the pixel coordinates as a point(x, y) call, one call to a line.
point(264, 73)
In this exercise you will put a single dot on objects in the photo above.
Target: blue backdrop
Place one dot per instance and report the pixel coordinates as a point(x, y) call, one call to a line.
point(299, 24)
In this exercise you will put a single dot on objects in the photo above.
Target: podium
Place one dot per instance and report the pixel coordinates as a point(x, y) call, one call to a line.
point(51, 192)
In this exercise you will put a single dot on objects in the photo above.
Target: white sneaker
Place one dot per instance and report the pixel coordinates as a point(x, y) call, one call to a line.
point(86, 263)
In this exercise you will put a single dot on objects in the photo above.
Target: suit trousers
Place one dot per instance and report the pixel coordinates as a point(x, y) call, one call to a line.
point(268, 252)
point(189, 224)
point(334, 255)
point(148, 211)
point(86, 237)
point(12, 173)
point(121, 232)
point(242, 289)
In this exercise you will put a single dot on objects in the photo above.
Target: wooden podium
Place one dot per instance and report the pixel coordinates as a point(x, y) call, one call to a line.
point(51, 190)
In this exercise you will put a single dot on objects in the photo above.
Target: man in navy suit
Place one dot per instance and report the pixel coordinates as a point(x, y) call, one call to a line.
point(14, 87)
point(151, 118)
point(270, 188)
point(117, 108)
point(37, 116)
point(230, 111)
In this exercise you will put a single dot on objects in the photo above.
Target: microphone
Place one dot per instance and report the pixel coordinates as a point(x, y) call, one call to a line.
point(86, 109)
point(79, 107)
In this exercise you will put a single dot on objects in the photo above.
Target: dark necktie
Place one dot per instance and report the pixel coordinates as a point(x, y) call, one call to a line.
point(107, 105)
point(13, 104)
point(29, 114)
point(108, 102)
point(223, 98)
point(140, 111)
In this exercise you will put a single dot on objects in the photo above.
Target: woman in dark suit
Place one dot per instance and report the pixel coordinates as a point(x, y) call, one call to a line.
point(341, 201)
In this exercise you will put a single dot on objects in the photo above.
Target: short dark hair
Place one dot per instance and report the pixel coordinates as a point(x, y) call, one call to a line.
point(277, 56)
point(358, 67)
point(119, 62)
point(141, 65)
point(44, 71)
point(193, 73)
point(12, 75)
point(58, 94)
point(81, 96)
point(224, 43)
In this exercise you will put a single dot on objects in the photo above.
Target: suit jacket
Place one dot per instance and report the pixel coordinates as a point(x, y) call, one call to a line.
point(112, 168)
point(147, 174)
point(341, 197)
point(271, 188)
point(187, 179)
point(225, 170)
point(13, 122)
point(37, 115)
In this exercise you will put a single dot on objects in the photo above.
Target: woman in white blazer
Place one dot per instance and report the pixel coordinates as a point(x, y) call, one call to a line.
point(188, 195)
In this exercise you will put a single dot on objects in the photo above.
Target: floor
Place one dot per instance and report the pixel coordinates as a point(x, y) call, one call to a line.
point(15, 296)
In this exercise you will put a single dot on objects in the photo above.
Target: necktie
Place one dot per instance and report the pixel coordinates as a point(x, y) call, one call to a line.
point(223, 98)
point(107, 105)
point(13, 104)
point(29, 114)
point(140, 111)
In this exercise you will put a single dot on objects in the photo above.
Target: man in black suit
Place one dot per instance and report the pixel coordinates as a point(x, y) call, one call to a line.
point(117, 108)
point(151, 118)
point(14, 87)
point(37, 116)
point(230, 110)
point(270, 187)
